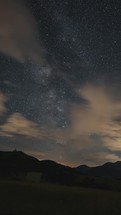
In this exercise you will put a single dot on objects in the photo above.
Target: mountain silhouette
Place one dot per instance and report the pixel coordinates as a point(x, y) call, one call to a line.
point(83, 169)
point(108, 170)
point(17, 161)
point(17, 164)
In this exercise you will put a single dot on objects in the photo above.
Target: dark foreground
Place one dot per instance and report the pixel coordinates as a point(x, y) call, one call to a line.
point(17, 198)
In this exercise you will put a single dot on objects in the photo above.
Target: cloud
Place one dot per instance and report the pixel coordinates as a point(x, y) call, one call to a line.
point(98, 115)
point(3, 100)
point(17, 124)
point(18, 32)
point(83, 151)
point(91, 158)
point(112, 137)
point(94, 134)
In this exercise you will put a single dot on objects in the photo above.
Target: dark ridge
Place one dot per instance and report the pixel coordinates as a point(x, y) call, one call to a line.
point(18, 163)
point(108, 169)
point(83, 168)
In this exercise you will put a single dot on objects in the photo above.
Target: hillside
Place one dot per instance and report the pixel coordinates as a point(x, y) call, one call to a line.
point(16, 163)
point(19, 166)
point(107, 170)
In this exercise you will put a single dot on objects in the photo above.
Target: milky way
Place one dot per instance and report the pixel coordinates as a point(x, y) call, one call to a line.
point(60, 80)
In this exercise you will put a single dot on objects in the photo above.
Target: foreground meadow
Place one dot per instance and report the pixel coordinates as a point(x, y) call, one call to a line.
point(17, 198)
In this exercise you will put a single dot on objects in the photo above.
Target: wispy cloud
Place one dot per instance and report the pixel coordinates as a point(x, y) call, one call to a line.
point(97, 114)
point(94, 129)
point(17, 124)
point(3, 100)
point(18, 32)
point(93, 137)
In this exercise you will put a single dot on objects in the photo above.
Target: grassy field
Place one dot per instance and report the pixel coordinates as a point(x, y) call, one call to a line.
point(17, 198)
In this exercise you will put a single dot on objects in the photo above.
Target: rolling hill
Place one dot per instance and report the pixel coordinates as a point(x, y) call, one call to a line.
point(16, 165)
point(107, 170)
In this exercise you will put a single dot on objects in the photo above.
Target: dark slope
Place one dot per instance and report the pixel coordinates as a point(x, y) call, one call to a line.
point(57, 173)
point(83, 169)
point(109, 169)
point(17, 162)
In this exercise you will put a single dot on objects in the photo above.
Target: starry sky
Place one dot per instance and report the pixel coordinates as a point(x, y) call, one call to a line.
point(60, 79)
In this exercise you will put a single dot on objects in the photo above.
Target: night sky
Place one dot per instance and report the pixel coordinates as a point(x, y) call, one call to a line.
point(60, 79)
